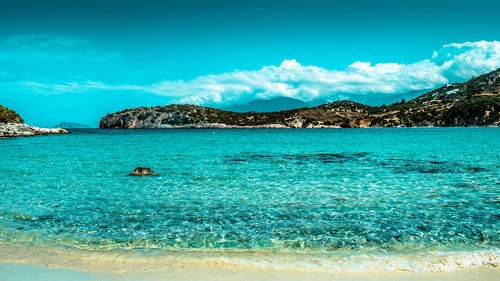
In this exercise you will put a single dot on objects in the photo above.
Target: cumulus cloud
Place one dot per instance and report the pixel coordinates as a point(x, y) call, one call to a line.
point(453, 62)
point(461, 61)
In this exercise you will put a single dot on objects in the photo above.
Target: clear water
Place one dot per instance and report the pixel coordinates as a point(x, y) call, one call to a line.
point(346, 191)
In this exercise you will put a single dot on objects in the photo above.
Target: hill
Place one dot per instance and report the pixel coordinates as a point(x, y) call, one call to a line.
point(9, 116)
point(71, 125)
point(270, 105)
point(473, 103)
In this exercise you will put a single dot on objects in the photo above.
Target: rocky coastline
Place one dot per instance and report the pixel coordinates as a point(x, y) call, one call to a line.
point(11, 130)
point(475, 103)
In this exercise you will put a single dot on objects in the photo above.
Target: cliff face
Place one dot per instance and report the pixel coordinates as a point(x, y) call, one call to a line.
point(181, 116)
point(192, 116)
point(473, 103)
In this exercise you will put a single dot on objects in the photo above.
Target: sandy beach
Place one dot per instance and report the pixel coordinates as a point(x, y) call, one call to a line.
point(300, 140)
point(39, 263)
point(12, 272)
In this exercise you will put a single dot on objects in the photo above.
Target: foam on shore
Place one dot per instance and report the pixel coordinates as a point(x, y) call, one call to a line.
point(134, 261)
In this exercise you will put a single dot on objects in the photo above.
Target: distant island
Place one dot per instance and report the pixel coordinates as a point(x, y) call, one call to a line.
point(71, 125)
point(472, 103)
point(11, 125)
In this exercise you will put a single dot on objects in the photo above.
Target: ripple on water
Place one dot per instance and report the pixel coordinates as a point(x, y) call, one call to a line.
point(322, 191)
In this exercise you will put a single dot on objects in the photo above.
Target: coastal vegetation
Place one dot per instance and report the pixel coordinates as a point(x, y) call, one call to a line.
point(473, 103)
point(9, 116)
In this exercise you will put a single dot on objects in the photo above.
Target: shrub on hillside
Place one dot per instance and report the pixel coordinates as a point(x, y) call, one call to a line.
point(9, 116)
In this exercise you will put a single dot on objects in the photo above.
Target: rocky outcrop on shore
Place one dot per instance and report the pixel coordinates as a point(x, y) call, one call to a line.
point(9, 130)
point(12, 125)
point(473, 103)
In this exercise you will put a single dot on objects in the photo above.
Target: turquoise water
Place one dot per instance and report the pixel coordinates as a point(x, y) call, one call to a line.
point(394, 190)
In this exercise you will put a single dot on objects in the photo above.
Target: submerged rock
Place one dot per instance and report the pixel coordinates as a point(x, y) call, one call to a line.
point(143, 171)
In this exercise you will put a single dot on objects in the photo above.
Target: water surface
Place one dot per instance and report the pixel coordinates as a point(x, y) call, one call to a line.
point(340, 192)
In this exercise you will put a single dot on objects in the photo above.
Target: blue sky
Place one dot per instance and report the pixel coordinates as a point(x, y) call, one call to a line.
point(77, 60)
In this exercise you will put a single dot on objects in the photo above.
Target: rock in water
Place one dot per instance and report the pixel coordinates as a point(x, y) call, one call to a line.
point(143, 171)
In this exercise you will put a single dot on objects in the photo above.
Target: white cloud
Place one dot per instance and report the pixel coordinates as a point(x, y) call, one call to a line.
point(51, 48)
point(453, 62)
point(461, 61)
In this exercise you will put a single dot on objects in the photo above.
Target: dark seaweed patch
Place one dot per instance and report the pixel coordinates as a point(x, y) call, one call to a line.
point(302, 158)
point(427, 170)
point(466, 184)
point(427, 167)
point(260, 156)
point(331, 155)
point(398, 165)
point(476, 169)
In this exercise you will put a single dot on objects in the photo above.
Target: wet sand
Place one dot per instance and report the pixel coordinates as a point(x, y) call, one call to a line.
point(24, 271)
point(19, 262)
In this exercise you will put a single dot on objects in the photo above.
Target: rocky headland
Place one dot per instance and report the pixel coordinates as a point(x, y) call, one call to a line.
point(473, 103)
point(11, 125)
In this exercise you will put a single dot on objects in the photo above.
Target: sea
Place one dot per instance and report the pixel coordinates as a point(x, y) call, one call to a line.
point(411, 199)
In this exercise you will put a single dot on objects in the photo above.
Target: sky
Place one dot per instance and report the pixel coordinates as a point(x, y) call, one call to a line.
point(77, 60)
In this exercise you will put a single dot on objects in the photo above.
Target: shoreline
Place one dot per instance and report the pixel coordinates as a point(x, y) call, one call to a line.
point(323, 263)
point(10, 271)
point(14, 130)
point(278, 127)
point(131, 262)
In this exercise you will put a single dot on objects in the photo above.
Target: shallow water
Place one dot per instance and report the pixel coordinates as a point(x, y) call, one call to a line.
point(326, 191)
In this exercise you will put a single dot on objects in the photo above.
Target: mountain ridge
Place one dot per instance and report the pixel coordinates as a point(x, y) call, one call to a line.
point(270, 105)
